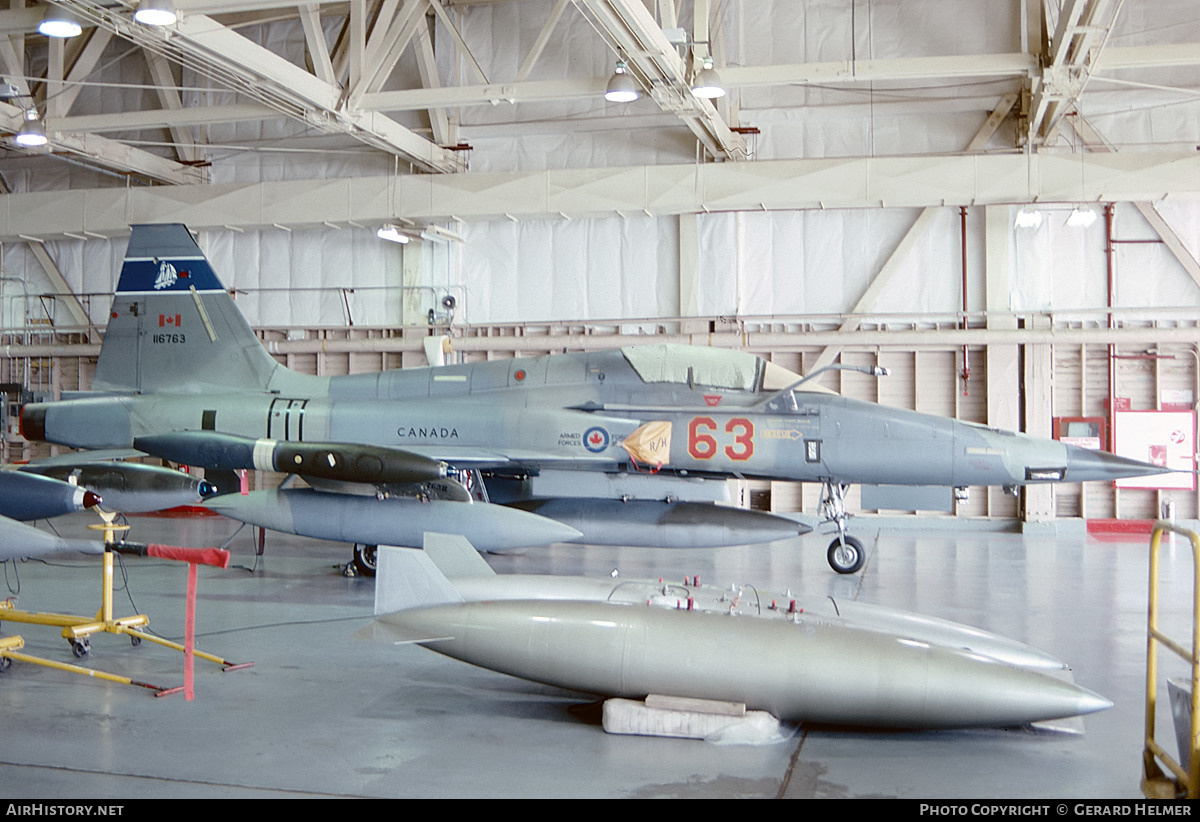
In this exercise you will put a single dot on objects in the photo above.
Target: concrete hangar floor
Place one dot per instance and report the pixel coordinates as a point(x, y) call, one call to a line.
point(321, 714)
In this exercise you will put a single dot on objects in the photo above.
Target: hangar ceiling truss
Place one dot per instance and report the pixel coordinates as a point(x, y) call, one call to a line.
point(357, 70)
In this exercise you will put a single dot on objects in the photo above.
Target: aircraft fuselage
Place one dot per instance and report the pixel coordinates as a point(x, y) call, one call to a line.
point(576, 410)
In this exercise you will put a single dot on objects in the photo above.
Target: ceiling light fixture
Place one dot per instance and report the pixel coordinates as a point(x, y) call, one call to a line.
point(59, 22)
point(1081, 217)
point(32, 134)
point(622, 88)
point(391, 232)
point(156, 13)
point(707, 83)
point(1028, 218)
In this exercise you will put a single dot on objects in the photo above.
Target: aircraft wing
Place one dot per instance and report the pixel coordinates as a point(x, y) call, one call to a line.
point(339, 461)
point(466, 457)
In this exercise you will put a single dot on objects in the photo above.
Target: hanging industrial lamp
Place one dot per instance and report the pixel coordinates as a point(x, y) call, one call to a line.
point(707, 83)
point(622, 88)
point(59, 22)
point(156, 13)
point(32, 133)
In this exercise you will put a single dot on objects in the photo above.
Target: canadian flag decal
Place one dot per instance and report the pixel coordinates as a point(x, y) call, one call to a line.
point(165, 320)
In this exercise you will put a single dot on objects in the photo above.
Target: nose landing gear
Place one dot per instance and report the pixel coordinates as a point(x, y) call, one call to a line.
point(846, 554)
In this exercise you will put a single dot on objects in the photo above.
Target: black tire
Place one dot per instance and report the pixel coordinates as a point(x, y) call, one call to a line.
point(846, 555)
point(365, 559)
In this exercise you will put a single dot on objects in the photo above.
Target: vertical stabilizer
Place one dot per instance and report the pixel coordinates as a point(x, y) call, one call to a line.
point(455, 556)
point(407, 578)
point(173, 326)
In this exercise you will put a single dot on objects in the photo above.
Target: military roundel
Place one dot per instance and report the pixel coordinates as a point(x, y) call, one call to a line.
point(595, 439)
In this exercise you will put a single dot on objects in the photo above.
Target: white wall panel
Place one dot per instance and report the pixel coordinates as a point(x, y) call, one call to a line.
point(571, 269)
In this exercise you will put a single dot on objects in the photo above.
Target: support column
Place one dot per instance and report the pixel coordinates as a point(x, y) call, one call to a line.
point(1039, 392)
point(1003, 372)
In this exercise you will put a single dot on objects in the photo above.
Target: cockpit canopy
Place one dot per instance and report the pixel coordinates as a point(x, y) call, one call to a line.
point(694, 365)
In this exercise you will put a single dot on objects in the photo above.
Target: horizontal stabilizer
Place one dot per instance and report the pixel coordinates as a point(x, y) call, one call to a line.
point(407, 578)
point(455, 556)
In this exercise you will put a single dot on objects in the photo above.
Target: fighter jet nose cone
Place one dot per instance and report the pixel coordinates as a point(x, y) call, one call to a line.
point(91, 500)
point(1084, 465)
point(206, 489)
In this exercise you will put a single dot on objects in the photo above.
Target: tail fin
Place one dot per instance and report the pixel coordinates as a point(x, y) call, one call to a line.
point(455, 556)
point(173, 326)
point(408, 578)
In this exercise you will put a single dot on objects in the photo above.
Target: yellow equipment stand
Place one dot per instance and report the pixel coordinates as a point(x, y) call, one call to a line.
point(77, 630)
point(10, 647)
point(1155, 783)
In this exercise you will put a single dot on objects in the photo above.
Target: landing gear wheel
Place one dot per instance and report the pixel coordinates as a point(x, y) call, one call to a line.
point(846, 555)
point(365, 559)
point(81, 648)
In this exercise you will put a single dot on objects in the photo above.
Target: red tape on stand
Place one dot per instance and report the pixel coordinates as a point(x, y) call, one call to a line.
point(197, 556)
point(193, 557)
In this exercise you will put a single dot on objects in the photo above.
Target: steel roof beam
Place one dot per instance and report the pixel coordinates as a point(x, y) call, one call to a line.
point(658, 191)
point(1067, 62)
point(634, 34)
point(236, 63)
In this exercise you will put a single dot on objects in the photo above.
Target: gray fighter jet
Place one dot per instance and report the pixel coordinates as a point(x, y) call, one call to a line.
point(874, 667)
point(563, 436)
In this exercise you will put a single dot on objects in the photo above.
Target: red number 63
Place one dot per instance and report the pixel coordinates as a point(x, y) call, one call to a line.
point(703, 445)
